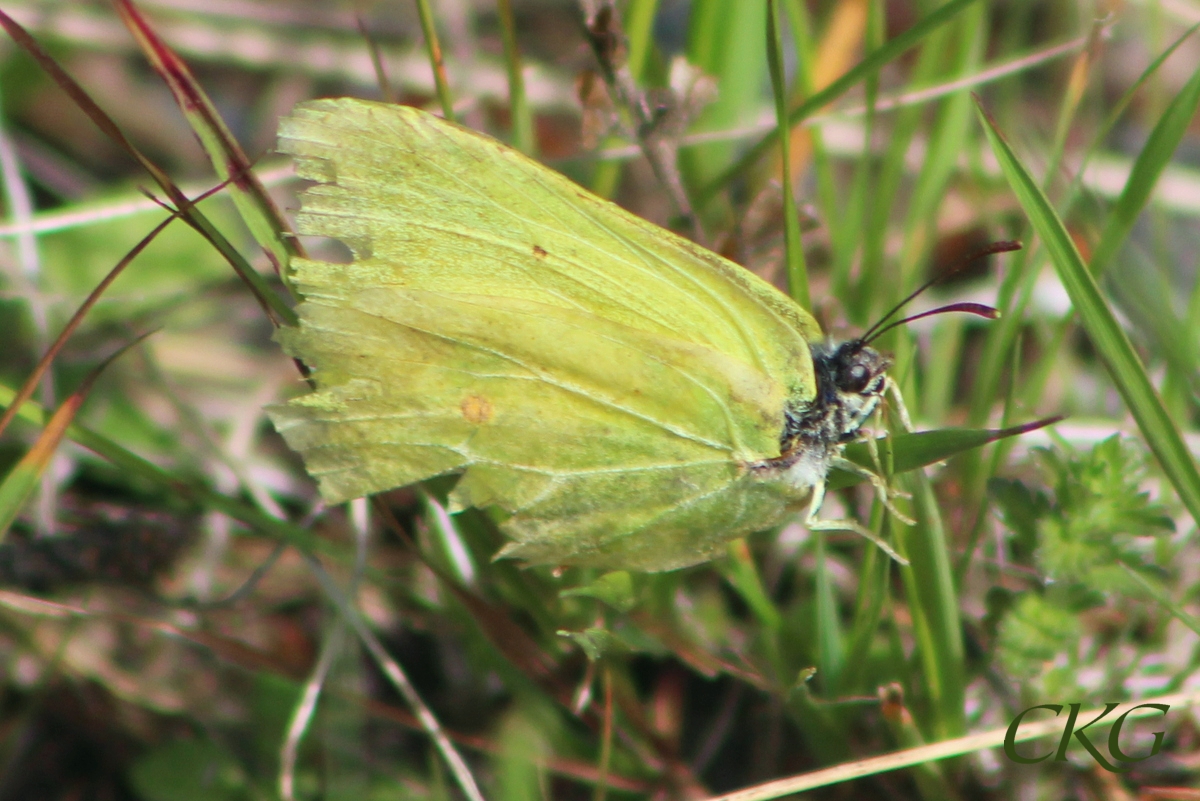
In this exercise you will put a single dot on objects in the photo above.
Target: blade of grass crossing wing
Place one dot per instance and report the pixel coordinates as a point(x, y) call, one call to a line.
point(1153, 158)
point(797, 273)
point(255, 206)
point(1106, 334)
point(271, 303)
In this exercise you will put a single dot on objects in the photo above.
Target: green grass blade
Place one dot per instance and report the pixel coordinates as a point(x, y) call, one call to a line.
point(1150, 163)
point(869, 65)
point(522, 119)
point(1102, 327)
point(873, 576)
point(725, 39)
point(19, 485)
point(134, 465)
point(742, 574)
point(923, 448)
point(831, 639)
point(436, 63)
point(1159, 593)
point(229, 160)
point(797, 273)
point(825, 191)
point(933, 604)
point(947, 141)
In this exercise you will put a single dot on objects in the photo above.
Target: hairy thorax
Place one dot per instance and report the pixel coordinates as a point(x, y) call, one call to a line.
point(850, 380)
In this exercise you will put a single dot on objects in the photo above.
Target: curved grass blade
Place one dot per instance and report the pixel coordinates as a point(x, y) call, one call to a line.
point(186, 487)
point(23, 479)
point(255, 206)
point(1109, 339)
point(1149, 165)
point(30, 385)
point(274, 307)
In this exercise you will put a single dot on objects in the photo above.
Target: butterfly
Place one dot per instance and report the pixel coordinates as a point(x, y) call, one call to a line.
point(617, 395)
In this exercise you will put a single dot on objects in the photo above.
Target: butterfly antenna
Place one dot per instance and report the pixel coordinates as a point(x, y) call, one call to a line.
point(1004, 246)
point(979, 309)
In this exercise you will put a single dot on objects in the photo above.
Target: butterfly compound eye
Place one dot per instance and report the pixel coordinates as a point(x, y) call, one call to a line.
point(856, 378)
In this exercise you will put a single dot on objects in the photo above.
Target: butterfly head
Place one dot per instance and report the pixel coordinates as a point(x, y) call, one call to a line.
point(851, 378)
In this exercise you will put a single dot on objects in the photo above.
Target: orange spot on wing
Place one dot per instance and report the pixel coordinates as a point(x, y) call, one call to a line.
point(539, 251)
point(477, 409)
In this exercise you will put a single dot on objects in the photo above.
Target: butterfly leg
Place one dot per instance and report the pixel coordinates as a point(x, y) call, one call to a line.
point(885, 492)
point(882, 490)
point(890, 387)
point(814, 524)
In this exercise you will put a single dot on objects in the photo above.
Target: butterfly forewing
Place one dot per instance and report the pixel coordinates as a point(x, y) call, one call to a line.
point(601, 381)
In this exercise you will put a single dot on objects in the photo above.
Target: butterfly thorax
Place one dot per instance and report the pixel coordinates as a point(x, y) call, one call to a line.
point(850, 380)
